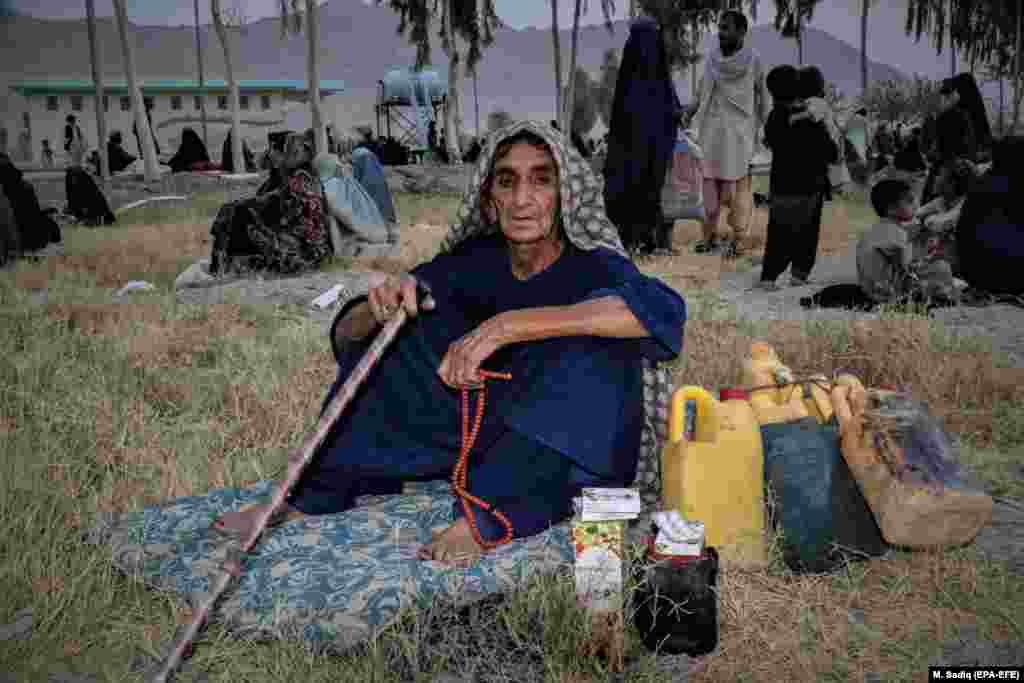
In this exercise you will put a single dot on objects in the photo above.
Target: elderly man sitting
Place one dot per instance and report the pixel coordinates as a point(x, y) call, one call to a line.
point(532, 281)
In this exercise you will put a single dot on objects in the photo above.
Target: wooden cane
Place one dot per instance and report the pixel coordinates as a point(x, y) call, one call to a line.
point(298, 459)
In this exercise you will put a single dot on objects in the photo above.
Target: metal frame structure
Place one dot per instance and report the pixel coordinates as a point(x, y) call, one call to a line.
point(392, 111)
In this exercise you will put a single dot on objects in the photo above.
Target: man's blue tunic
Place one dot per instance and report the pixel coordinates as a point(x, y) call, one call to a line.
point(571, 416)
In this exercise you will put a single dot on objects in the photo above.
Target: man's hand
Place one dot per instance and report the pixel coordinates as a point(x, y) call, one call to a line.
point(395, 291)
point(465, 355)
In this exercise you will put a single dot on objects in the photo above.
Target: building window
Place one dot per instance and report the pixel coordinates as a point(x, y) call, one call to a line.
point(76, 103)
point(106, 103)
point(222, 102)
point(176, 102)
point(265, 102)
point(147, 102)
point(52, 103)
point(126, 104)
point(197, 100)
point(243, 101)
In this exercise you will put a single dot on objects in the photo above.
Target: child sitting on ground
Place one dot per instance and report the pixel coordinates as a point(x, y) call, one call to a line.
point(801, 152)
point(886, 271)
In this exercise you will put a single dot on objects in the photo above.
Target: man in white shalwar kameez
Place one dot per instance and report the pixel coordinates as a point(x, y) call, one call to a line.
point(731, 109)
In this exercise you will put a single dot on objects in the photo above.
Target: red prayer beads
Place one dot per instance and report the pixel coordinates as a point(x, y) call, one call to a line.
point(461, 471)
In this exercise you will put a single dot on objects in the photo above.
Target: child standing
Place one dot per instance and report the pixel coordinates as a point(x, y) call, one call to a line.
point(886, 271)
point(801, 152)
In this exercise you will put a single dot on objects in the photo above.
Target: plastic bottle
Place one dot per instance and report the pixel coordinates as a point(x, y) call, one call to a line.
point(781, 403)
point(713, 471)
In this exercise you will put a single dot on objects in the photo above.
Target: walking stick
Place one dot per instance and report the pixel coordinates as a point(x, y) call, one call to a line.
point(298, 459)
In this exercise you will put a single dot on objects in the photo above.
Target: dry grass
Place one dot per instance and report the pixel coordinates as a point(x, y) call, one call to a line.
point(112, 406)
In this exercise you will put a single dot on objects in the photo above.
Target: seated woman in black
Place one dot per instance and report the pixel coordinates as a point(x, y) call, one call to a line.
point(191, 151)
point(990, 233)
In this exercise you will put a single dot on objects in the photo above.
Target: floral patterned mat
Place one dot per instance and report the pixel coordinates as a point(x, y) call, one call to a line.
point(332, 580)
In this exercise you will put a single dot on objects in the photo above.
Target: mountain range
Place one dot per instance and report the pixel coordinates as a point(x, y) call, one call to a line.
point(359, 44)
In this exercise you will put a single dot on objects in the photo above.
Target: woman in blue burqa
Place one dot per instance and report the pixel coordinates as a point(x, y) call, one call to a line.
point(641, 138)
point(533, 281)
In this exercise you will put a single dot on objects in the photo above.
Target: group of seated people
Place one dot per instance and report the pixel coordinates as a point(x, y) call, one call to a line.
point(972, 231)
point(311, 206)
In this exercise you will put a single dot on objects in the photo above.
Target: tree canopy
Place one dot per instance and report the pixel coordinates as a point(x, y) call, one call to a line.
point(473, 21)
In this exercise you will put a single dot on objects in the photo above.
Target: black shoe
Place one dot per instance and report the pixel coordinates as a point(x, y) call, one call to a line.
point(707, 247)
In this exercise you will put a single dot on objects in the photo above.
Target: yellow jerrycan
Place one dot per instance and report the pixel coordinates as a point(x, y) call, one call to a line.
point(777, 400)
point(712, 471)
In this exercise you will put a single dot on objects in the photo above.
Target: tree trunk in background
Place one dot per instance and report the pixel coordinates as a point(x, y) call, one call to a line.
point(952, 50)
point(236, 128)
point(150, 170)
point(97, 79)
point(476, 104)
point(1019, 80)
point(1002, 107)
point(558, 59)
point(453, 107)
point(313, 55)
point(864, 46)
point(799, 42)
point(695, 35)
point(202, 82)
point(570, 100)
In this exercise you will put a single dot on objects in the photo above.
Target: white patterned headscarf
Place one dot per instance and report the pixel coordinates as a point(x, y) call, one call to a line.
point(581, 193)
point(586, 225)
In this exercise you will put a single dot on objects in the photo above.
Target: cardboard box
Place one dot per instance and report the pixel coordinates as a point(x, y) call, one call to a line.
point(599, 562)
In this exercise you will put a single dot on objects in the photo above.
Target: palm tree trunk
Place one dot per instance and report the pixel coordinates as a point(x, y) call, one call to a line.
point(558, 59)
point(570, 100)
point(695, 37)
point(952, 50)
point(452, 109)
point(202, 83)
point(865, 4)
point(1002, 106)
point(476, 105)
point(97, 79)
point(1019, 80)
point(799, 43)
point(236, 132)
point(150, 170)
point(313, 40)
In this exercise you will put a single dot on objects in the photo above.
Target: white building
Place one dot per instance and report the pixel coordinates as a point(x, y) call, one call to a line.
point(43, 107)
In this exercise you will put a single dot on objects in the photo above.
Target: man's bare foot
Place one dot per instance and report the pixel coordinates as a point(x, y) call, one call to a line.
point(455, 545)
point(241, 522)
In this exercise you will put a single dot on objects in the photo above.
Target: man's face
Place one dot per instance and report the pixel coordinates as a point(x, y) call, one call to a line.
point(730, 38)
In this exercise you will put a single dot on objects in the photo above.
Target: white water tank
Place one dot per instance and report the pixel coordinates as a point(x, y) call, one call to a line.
point(397, 85)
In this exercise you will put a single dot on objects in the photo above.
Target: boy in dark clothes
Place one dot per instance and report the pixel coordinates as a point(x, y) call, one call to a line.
point(801, 153)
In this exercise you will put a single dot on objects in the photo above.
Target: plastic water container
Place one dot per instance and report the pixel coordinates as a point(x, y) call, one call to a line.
point(713, 471)
point(780, 401)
